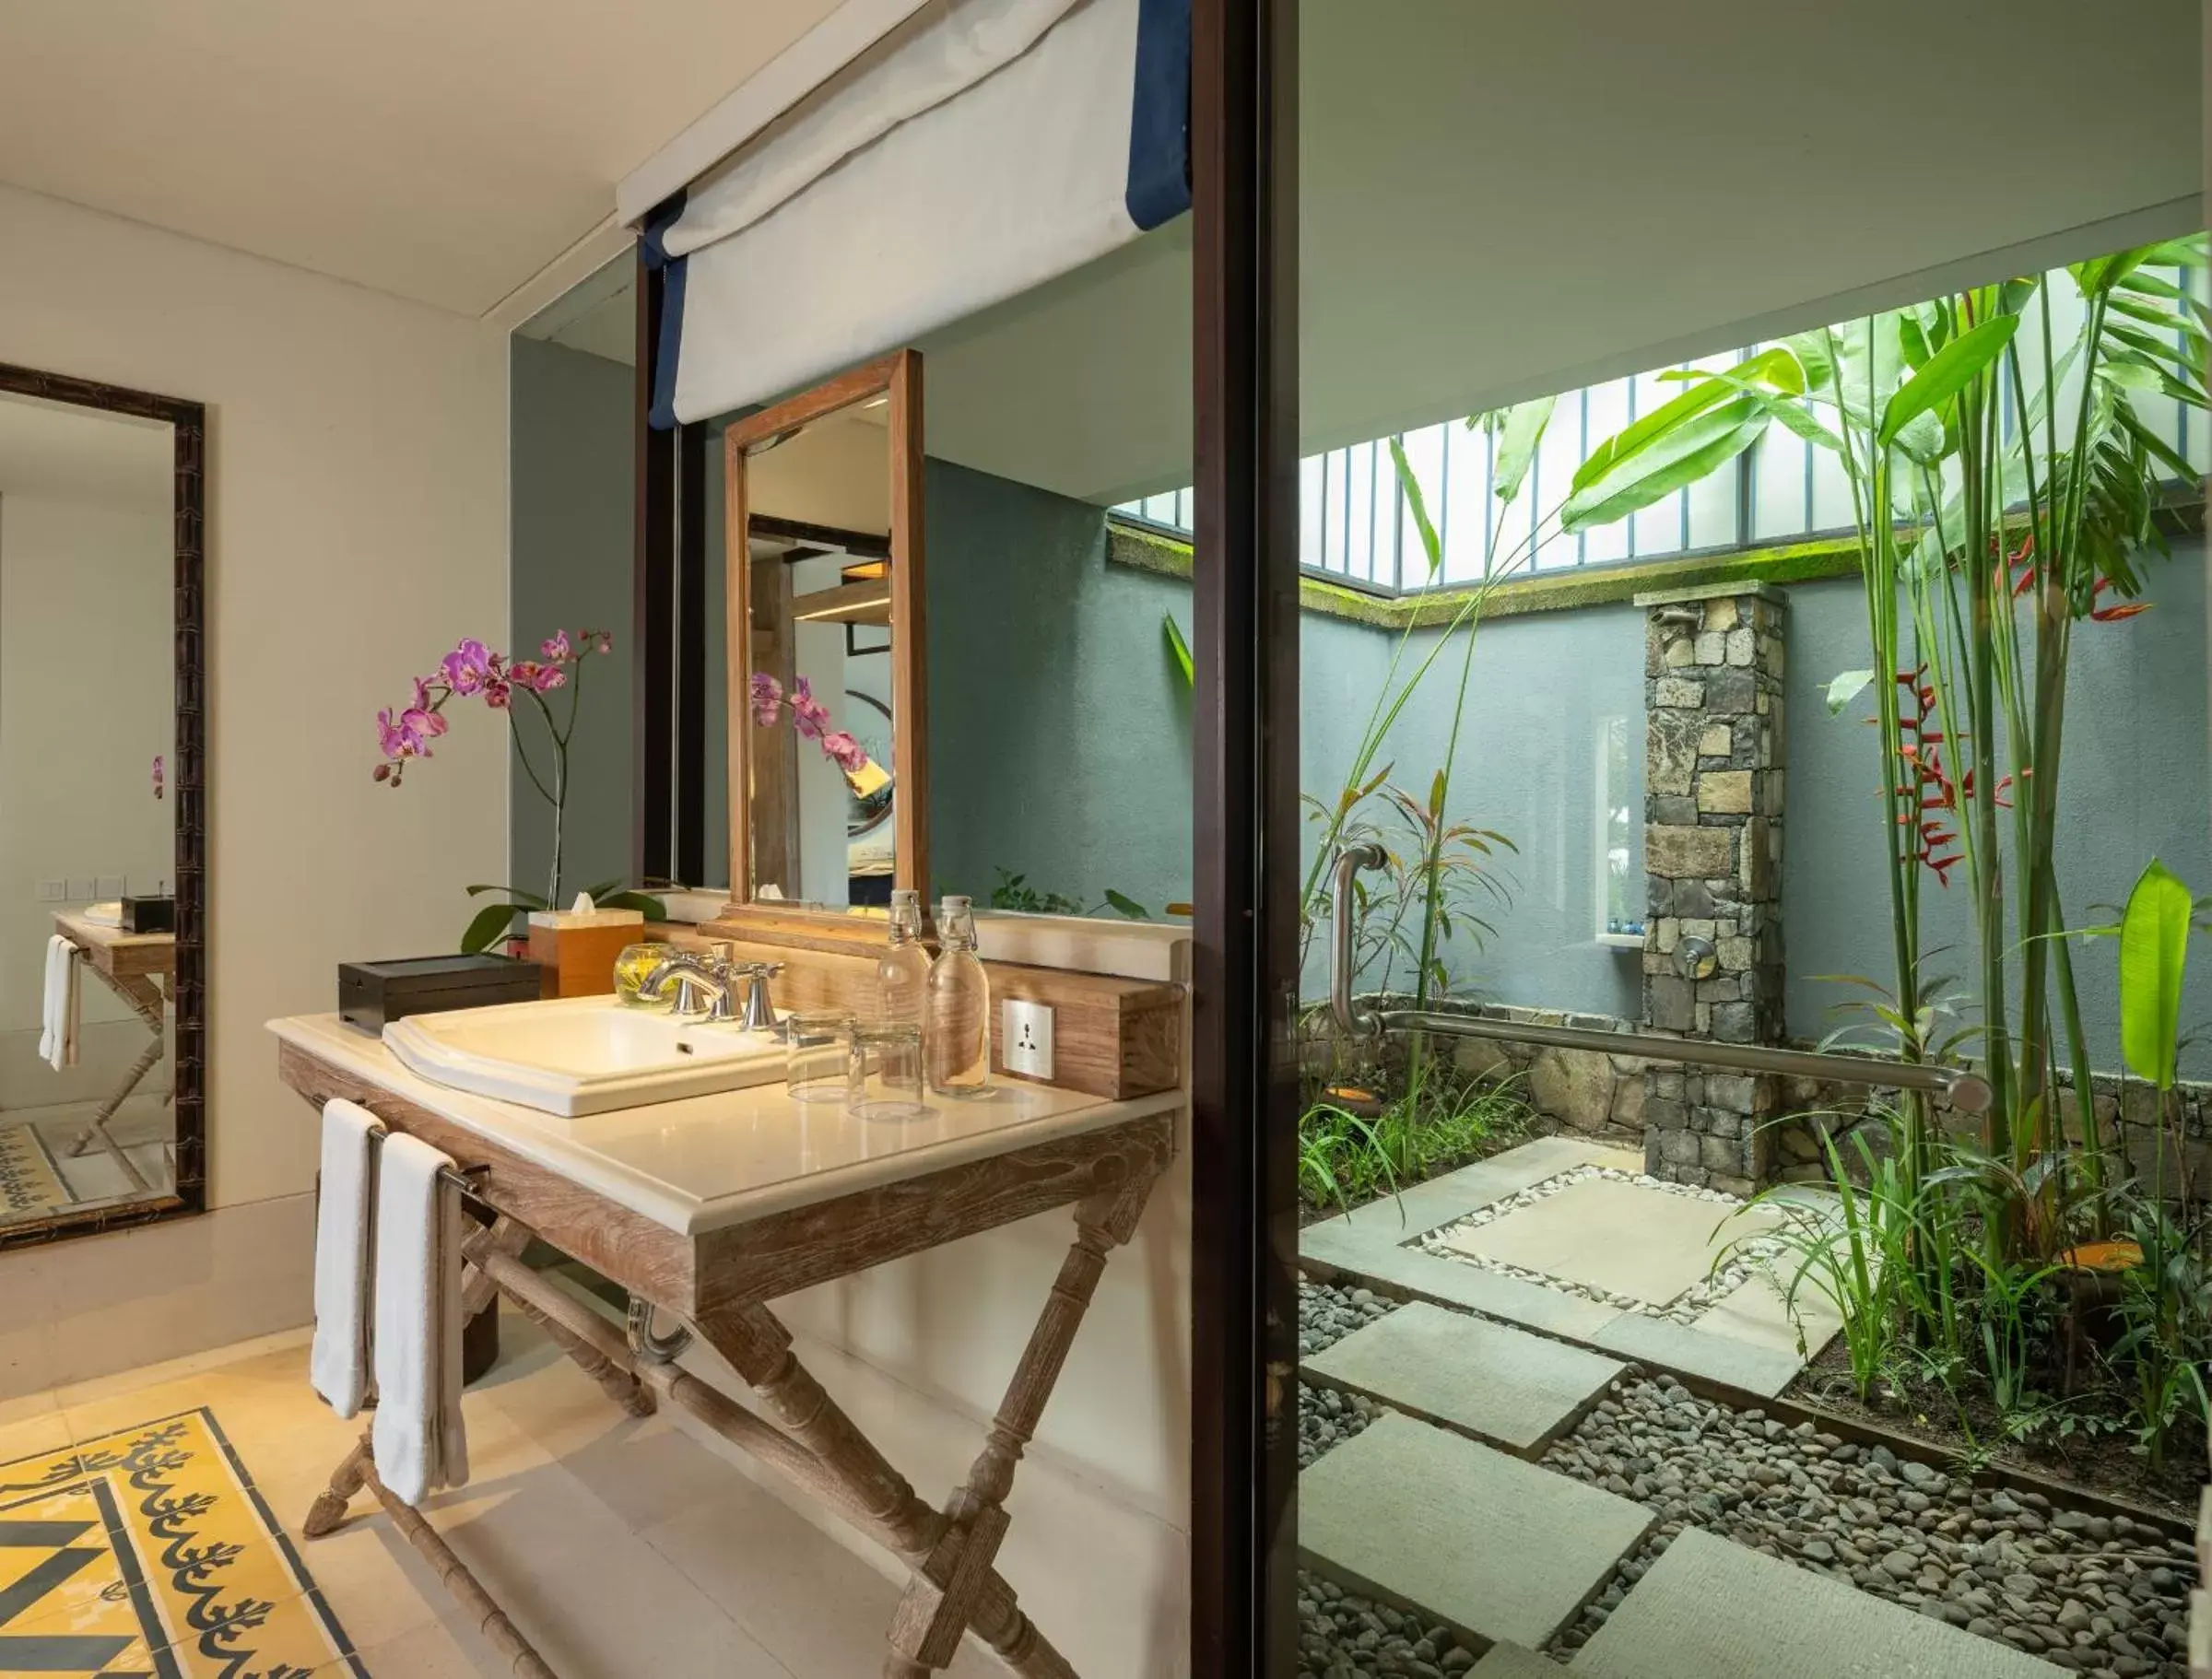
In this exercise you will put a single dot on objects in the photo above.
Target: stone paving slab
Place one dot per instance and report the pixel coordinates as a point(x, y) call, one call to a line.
point(1758, 1312)
point(1629, 1239)
point(1665, 1345)
point(1371, 1256)
point(1494, 1548)
point(1437, 1201)
point(1511, 1662)
point(1505, 1386)
point(1709, 1609)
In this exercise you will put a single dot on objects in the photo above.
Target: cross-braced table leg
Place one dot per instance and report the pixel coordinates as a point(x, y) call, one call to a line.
point(955, 1587)
point(146, 998)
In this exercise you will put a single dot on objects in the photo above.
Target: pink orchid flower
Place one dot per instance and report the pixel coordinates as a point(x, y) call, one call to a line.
point(851, 756)
point(469, 668)
point(766, 697)
point(158, 775)
point(809, 716)
point(557, 649)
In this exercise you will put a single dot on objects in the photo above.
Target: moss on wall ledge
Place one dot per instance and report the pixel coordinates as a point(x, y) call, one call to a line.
point(1147, 550)
point(1800, 562)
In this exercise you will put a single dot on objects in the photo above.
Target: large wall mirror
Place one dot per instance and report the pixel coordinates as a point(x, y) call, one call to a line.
point(102, 823)
point(824, 595)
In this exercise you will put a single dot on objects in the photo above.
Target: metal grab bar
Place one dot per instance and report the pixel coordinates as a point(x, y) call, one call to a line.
point(1967, 1091)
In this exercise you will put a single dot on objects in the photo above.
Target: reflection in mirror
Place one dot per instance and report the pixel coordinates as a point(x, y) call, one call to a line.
point(88, 737)
point(820, 692)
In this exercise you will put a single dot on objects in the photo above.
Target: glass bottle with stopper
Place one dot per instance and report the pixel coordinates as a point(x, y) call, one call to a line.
point(957, 1026)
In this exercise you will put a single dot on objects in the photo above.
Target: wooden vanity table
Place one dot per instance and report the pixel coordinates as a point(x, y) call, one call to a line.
point(712, 1207)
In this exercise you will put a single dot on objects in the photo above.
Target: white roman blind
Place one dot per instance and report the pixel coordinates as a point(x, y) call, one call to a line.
point(994, 146)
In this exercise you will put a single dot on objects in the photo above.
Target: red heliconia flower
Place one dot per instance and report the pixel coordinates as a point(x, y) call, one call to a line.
point(2119, 610)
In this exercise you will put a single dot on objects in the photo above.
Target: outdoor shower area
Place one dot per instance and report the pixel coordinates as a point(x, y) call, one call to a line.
point(1825, 723)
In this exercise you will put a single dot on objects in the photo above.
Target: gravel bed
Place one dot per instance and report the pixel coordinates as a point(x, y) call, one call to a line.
point(1343, 1637)
point(1326, 1316)
point(2098, 1595)
point(1748, 1259)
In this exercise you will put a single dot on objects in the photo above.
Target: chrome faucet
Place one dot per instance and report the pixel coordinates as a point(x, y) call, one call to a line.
point(759, 1012)
point(703, 986)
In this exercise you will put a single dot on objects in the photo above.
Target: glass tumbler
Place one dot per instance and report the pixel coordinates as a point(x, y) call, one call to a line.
point(818, 1057)
point(886, 1070)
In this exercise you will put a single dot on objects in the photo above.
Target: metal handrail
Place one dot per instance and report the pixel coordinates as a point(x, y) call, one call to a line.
point(1966, 1090)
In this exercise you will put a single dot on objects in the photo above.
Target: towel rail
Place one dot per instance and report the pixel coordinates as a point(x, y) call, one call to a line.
point(467, 1179)
point(1967, 1091)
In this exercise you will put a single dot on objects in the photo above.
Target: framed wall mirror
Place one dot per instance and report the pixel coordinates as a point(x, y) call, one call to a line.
point(103, 827)
point(828, 741)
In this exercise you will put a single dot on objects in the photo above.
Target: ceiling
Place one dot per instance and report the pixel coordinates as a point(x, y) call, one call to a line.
point(1498, 202)
point(61, 452)
point(445, 152)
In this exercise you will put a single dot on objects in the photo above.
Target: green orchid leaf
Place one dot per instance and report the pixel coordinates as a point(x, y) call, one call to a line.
point(2154, 953)
point(1948, 373)
point(652, 908)
point(529, 900)
point(488, 927)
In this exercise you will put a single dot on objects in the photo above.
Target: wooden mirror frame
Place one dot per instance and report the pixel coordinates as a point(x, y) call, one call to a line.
point(186, 782)
point(897, 377)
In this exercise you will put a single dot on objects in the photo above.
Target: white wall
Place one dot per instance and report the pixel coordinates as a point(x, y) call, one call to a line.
point(357, 526)
point(85, 704)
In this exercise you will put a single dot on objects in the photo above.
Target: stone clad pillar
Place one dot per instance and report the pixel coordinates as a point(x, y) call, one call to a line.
point(1714, 746)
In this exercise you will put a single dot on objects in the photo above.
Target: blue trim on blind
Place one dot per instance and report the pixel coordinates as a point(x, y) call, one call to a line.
point(1159, 114)
point(652, 243)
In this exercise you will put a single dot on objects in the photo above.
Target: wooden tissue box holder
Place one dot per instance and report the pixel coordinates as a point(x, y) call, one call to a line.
point(578, 952)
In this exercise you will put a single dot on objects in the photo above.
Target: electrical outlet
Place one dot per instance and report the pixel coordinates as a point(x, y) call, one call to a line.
point(1026, 1037)
point(80, 890)
point(53, 891)
point(110, 886)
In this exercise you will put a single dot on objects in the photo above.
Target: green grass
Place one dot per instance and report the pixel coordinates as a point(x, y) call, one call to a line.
point(1438, 1123)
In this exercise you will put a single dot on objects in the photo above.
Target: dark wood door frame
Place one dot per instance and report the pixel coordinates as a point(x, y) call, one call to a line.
point(1245, 846)
point(653, 606)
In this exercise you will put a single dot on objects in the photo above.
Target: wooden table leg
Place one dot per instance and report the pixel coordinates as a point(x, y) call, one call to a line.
point(145, 998)
point(940, 1603)
point(508, 1237)
point(328, 1511)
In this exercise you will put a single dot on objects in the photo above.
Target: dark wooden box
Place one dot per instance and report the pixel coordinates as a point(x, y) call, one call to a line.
point(371, 994)
point(150, 915)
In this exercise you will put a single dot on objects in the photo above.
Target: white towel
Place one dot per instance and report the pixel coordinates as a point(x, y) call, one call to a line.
point(418, 1437)
point(338, 1364)
point(57, 1018)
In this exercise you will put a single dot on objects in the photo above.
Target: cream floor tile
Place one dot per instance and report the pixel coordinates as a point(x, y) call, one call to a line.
point(32, 1434)
point(628, 1611)
point(817, 1607)
point(273, 1357)
point(29, 1407)
point(372, 1579)
point(431, 1651)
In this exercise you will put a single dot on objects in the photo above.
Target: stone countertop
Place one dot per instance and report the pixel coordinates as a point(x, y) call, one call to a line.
point(708, 1161)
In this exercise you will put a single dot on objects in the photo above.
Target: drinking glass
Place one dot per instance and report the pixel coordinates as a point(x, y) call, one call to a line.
point(886, 1070)
point(817, 1058)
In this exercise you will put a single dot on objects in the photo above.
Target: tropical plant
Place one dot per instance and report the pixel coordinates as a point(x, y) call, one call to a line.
point(1013, 892)
point(1515, 434)
point(515, 689)
point(1439, 1120)
point(1985, 541)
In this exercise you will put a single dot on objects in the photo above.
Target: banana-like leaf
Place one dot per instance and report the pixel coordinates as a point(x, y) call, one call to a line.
point(1519, 435)
point(1410, 483)
point(1179, 649)
point(2154, 952)
point(1846, 689)
point(1127, 908)
point(1660, 466)
point(1790, 411)
point(1782, 368)
point(1948, 373)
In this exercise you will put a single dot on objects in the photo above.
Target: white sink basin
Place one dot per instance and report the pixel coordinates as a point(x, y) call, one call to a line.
point(579, 1055)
